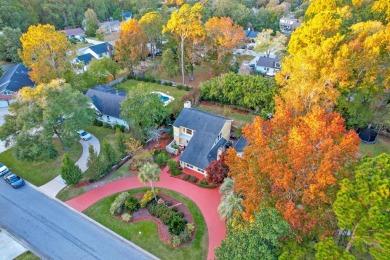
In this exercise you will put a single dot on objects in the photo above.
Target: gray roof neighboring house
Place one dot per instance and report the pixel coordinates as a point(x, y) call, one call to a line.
point(73, 32)
point(268, 62)
point(127, 15)
point(200, 150)
point(251, 34)
point(110, 23)
point(101, 48)
point(86, 58)
point(241, 144)
point(15, 78)
point(107, 100)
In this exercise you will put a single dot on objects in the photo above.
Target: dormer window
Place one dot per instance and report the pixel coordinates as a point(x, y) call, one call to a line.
point(188, 131)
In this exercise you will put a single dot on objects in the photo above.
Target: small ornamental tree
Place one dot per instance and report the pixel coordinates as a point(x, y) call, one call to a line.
point(93, 163)
point(149, 172)
point(109, 155)
point(217, 171)
point(70, 172)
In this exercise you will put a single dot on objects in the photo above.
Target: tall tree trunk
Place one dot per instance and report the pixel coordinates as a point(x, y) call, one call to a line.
point(192, 73)
point(59, 137)
point(182, 59)
point(154, 49)
point(154, 193)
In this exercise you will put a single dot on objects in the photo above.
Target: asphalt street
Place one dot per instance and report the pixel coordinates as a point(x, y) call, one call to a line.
point(53, 231)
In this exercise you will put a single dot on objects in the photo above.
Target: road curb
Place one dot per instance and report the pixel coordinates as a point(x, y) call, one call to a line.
point(146, 253)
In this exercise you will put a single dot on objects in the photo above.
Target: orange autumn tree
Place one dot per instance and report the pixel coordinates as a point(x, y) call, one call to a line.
point(293, 164)
point(222, 36)
point(132, 44)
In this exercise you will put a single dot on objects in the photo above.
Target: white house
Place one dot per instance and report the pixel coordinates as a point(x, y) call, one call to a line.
point(99, 51)
point(268, 65)
point(107, 102)
point(75, 33)
point(110, 26)
point(287, 24)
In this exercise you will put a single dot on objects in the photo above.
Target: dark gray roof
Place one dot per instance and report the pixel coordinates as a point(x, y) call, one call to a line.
point(15, 78)
point(251, 34)
point(110, 23)
point(106, 100)
point(101, 47)
point(207, 128)
point(86, 58)
point(268, 62)
point(241, 144)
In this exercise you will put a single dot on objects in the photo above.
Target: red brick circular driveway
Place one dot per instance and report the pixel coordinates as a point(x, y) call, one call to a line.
point(206, 199)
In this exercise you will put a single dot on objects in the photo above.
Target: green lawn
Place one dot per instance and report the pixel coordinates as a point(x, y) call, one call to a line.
point(27, 256)
point(39, 173)
point(172, 91)
point(102, 133)
point(149, 239)
point(240, 119)
point(381, 146)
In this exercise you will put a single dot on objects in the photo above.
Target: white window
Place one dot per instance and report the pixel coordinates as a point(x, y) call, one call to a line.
point(188, 131)
point(189, 166)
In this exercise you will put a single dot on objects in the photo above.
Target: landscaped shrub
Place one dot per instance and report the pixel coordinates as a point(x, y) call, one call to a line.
point(190, 227)
point(97, 122)
point(172, 165)
point(179, 86)
point(127, 217)
point(185, 236)
point(107, 125)
point(177, 225)
point(165, 214)
point(180, 214)
point(161, 159)
point(175, 241)
point(187, 88)
point(117, 206)
point(147, 197)
point(205, 184)
point(132, 204)
point(193, 179)
point(186, 177)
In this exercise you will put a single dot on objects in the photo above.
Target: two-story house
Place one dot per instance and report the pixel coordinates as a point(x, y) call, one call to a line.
point(287, 24)
point(101, 50)
point(268, 65)
point(201, 135)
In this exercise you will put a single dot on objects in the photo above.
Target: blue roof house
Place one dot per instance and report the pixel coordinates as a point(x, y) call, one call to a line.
point(127, 16)
point(101, 50)
point(14, 79)
point(202, 136)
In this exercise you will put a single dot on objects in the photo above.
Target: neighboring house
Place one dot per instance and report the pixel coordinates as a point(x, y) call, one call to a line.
point(240, 145)
point(202, 135)
point(84, 59)
point(75, 33)
point(99, 51)
point(249, 34)
point(110, 26)
point(15, 78)
point(288, 24)
point(107, 101)
point(268, 65)
point(127, 16)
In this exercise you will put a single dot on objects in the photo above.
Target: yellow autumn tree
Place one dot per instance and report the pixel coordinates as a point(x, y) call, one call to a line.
point(46, 52)
point(185, 24)
point(152, 24)
point(131, 46)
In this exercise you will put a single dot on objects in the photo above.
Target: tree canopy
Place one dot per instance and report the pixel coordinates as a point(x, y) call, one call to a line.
point(9, 44)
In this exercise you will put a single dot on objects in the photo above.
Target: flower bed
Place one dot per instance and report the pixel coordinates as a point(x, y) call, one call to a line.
point(143, 214)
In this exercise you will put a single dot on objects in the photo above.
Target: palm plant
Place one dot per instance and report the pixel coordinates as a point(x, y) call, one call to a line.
point(231, 202)
point(149, 172)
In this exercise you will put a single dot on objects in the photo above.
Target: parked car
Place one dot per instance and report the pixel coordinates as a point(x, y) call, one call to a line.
point(14, 180)
point(84, 135)
point(3, 169)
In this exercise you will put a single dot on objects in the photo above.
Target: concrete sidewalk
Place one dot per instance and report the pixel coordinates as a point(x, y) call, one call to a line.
point(9, 247)
point(54, 186)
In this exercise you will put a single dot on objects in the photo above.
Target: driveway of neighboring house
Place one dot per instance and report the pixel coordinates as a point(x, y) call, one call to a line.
point(206, 199)
point(54, 186)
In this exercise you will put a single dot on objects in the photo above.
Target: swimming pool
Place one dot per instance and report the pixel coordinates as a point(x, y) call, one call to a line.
point(166, 99)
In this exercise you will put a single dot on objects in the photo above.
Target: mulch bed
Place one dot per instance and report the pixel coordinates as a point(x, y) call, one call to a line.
point(232, 109)
point(164, 140)
point(163, 230)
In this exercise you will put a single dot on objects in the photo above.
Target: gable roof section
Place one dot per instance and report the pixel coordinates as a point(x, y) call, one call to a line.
point(268, 62)
point(73, 32)
point(250, 34)
point(86, 58)
point(107, 100)
point(110, 23)
point(199, 151)
point(241, 144)
point(127, 15)
point(15, 78)
point(100, 48)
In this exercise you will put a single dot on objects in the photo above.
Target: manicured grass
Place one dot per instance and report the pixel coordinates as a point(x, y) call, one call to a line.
point(149, 239)
point(39, 173)
point(240, 119)
point(123, 171)
point(27, 256)
point(102, 133)
point(69, 192)
point(381, 146)
point(172, 91)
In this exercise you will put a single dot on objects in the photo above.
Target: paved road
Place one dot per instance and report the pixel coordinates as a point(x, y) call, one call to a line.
point(53, 231)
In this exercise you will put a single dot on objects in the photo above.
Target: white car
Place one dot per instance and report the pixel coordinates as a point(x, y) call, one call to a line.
point(84, 135)
point(3, 169)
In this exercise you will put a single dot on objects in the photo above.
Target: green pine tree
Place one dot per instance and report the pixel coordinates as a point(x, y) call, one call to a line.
point(70, 172)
